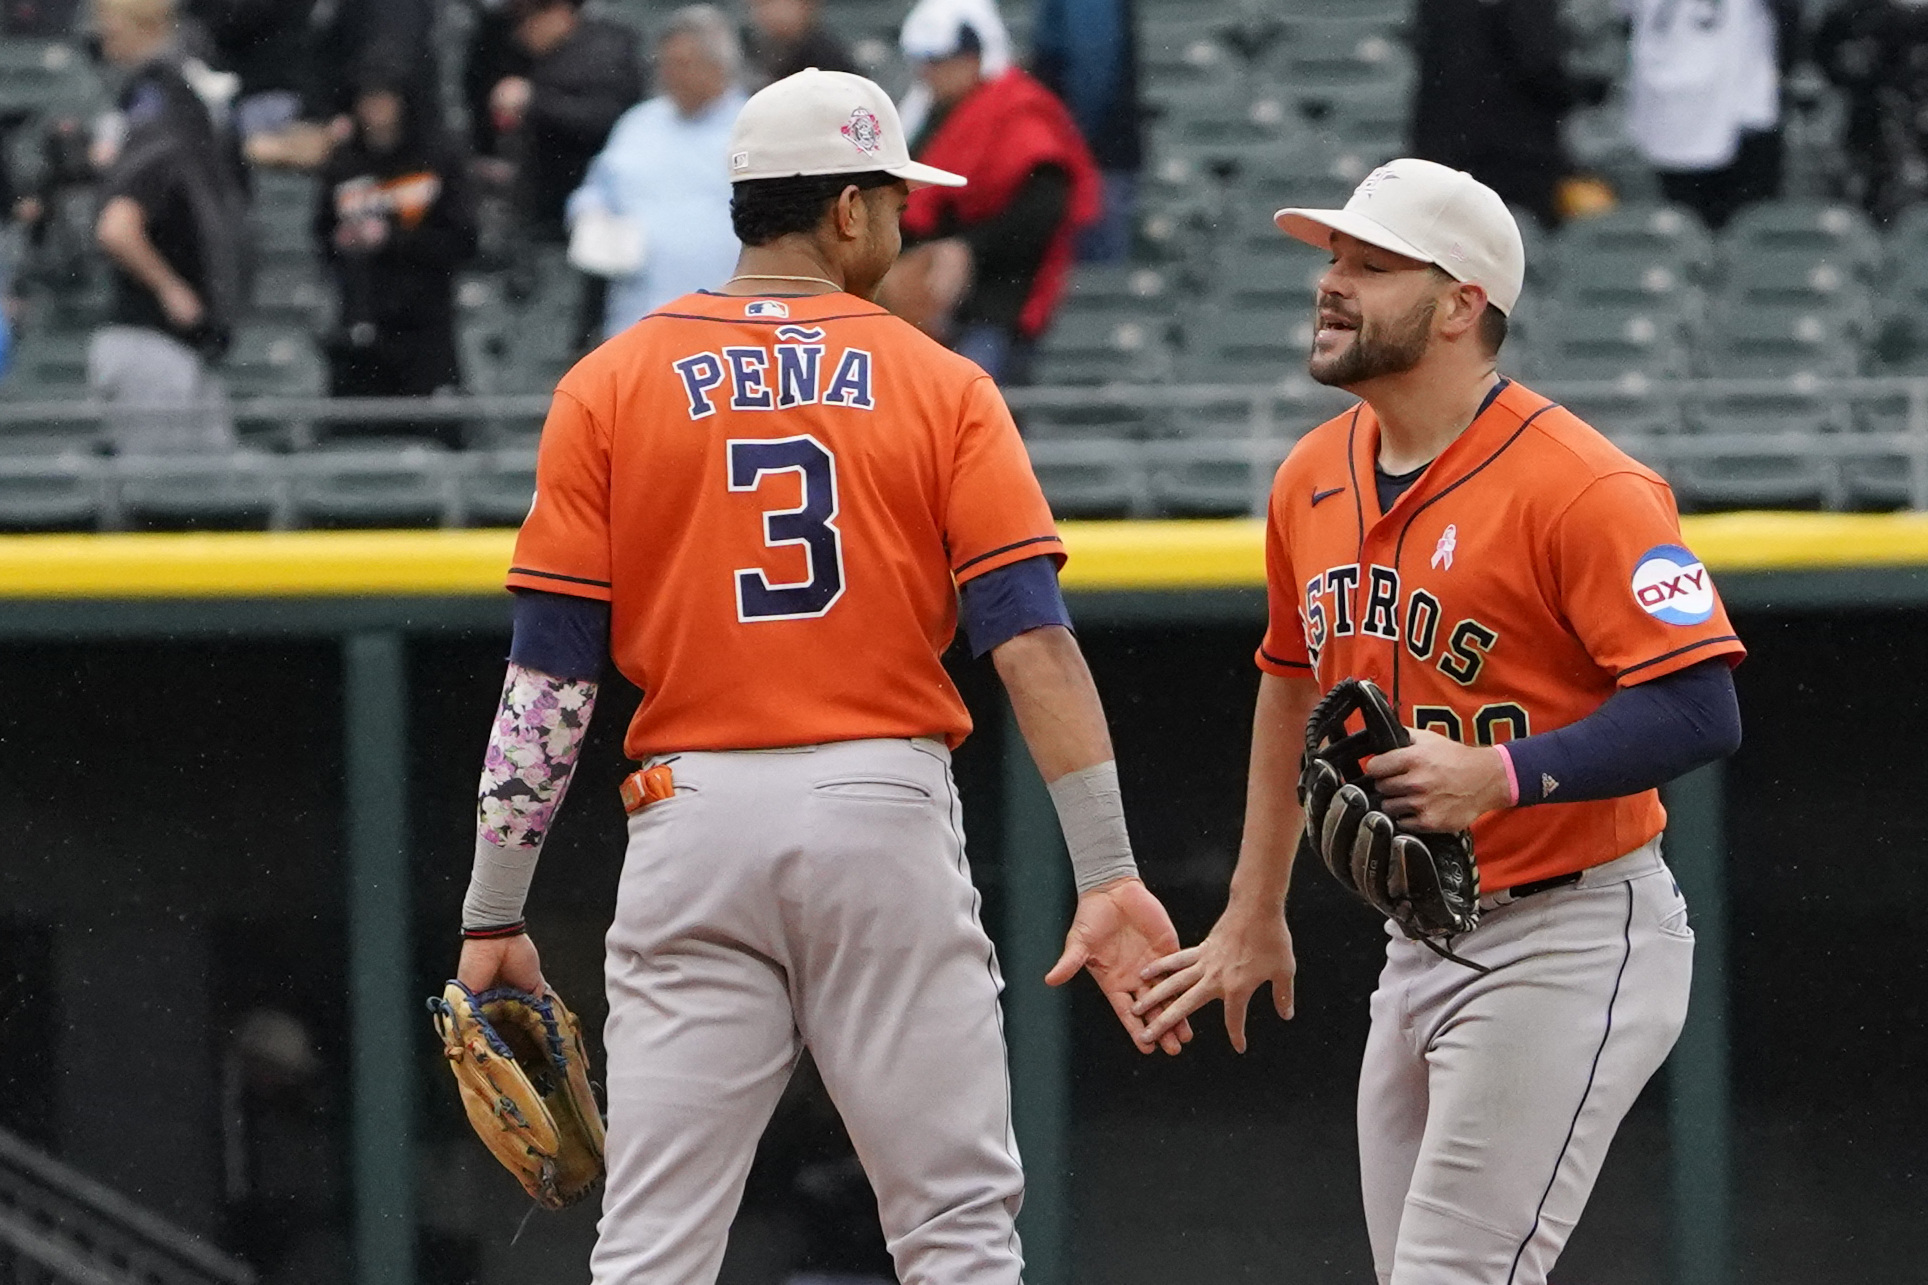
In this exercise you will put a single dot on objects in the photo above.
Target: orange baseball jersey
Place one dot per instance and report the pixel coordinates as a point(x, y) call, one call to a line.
point(1529, 572)
point(778, 498)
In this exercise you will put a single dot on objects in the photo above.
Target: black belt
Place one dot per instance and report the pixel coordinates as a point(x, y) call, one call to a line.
point(1519, 890)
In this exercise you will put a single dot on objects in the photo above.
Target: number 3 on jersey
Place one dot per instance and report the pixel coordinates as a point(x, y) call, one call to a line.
point(810, 525)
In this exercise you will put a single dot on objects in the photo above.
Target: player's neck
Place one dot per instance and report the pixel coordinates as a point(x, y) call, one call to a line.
point(783, 269)
point(1421, 412)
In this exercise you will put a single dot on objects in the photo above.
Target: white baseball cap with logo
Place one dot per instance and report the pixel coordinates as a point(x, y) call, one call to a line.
point(1428, 212)
point(825, 122)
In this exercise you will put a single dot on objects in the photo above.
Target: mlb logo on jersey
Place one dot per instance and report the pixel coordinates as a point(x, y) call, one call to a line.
point(1672, 585)
point(766, 308)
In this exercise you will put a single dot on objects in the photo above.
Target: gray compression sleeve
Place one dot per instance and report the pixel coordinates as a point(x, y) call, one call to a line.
point(1092, 811)
point(498, 884)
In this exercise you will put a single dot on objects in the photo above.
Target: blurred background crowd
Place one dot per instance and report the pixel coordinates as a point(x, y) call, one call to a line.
point(216, 201)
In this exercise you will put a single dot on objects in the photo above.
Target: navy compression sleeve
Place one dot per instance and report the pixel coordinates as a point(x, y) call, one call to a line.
point(999, 605)
point(560, 635)
point(1641, 737)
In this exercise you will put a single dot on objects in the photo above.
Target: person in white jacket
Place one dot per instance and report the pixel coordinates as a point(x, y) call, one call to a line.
point(653, 213)
point(1704, 98)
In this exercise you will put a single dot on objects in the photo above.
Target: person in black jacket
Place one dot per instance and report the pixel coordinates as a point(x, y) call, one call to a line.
point(786, 36)
point(582, 74)
point(397, 221)
point(1493, 90)
point(1877, 51)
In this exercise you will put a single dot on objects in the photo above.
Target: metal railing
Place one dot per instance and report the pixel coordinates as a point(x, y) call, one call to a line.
point(60, 1227)
point(1175, 448)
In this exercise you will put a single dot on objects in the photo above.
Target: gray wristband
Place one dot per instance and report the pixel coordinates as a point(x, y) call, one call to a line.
point(498, 884)
point(1092, 811)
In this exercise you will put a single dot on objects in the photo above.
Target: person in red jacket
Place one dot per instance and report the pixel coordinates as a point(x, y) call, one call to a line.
point(996, 253)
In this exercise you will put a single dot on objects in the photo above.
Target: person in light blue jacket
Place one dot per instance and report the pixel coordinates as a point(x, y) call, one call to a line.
point(664, 176)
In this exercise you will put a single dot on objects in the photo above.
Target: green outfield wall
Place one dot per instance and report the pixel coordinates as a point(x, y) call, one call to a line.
point(239, 768)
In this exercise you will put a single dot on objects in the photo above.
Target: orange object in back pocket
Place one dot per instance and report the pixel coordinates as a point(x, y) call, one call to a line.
point(651, 785)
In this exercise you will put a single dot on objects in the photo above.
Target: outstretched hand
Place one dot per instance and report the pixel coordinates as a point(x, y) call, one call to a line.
point(500, 961)
point(1118, 931)
point(1245, 949)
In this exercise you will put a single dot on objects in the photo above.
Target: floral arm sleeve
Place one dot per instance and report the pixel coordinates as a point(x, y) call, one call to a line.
point(538, 732)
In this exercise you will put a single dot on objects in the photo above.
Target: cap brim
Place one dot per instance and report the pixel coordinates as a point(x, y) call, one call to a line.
point(1315, 227)
point(918, 174)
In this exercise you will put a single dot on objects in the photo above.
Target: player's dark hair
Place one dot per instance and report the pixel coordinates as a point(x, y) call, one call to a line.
point(761, 210)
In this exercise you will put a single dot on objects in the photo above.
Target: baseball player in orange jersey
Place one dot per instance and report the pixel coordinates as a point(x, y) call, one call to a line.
point(771, 504)
point(1519, 588)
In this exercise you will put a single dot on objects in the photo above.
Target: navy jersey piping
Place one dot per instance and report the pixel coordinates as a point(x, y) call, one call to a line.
point(552, 575)
point(1679, 651)
point(764, 321)
point(1017, 544)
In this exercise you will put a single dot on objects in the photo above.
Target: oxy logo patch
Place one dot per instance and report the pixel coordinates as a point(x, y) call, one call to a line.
point(1670, 584)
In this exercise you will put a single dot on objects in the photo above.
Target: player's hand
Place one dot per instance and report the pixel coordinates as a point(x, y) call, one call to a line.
point(1246, 948)
point(1118, 930)
point(509, 101)
point(1439, 786)
point(501, 961)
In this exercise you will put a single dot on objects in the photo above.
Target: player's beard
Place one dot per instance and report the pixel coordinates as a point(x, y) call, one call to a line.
point(1392, 348)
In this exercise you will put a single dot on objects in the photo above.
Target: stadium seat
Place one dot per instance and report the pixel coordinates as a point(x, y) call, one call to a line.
point(1092, 479)
point(1212, 477)
point(47, 482)
point(1087, 421)
point(1773, 473)
point(1218, 124)
point(238, 490)
point(1369, 119)
point(1227, 345)
point(1767, 343)
point(1839, 233)
point(1281, 279)
point(271, 360)
point(47, 365)
point(38, 76)
point(291, 291)
point(498, 487)
point(375, 482)
point(1303, 170)
point(1319, 58)
point(1130, 290)
point(1102, 346)
point(1622, 347)
point(1624, 415)
point(1184, 48)
point(1901, 343)
point(1633, 254)
point(1883, 479)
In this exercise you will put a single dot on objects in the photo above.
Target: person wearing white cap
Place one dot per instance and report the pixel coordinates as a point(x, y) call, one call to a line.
point(1518, 590)
point(772, 505)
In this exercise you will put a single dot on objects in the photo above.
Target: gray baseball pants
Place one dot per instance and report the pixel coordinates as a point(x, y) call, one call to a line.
point(783, 899)
point(1487, 1102)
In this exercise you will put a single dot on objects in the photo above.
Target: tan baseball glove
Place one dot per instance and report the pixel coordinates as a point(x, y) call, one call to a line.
point(524, 1079)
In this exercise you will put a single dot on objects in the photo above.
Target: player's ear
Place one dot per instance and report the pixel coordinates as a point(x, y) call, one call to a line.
point(851, 213)
point(1465, 304)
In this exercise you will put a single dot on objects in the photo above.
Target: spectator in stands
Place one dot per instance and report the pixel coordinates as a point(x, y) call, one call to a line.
point(38, 17)
point(340, 32)
point(1000, 249)
point(1704, 98)
point(171, 223)
point(1493, 91)
point(397, 222)
point(787, 36)
point(1877, 51)
point(1086, 52)
point(659, 192)
point(265, 43)
point(583, 73)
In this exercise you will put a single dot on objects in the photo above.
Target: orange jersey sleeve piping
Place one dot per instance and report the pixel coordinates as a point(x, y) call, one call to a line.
point(521, 577)
point(1693, 653)
point(1280, 668)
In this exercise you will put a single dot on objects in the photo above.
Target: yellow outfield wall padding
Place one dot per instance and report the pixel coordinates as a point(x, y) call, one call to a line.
point(1104, 555)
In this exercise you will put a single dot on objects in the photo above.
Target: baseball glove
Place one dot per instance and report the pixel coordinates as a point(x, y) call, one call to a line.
point(1428, 884)
point(524, 1080)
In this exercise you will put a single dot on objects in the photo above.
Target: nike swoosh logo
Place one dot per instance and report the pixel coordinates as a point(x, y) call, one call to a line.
point(1325, 495)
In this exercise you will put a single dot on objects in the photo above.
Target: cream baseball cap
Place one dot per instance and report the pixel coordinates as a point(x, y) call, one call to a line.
point(1428, 212)
point(825, 122)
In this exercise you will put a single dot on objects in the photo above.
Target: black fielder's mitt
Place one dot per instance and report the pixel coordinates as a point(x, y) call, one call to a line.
point(1428, 884)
